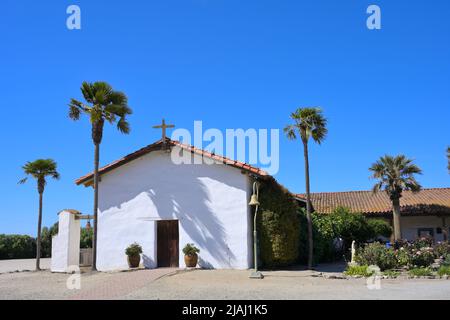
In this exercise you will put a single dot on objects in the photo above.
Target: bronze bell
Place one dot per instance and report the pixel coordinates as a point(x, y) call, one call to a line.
point(254, 200)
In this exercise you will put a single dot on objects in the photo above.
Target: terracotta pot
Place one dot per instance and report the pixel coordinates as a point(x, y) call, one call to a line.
point(191, 260)
point(133, 261)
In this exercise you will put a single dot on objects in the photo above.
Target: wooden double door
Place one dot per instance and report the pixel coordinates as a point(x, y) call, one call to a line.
point(167, 243)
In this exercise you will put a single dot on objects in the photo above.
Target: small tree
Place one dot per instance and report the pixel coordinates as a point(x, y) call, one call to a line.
point(40, 170)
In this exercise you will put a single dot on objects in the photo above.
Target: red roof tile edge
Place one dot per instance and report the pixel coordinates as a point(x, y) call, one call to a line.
point(158, 146)
point(367, 202)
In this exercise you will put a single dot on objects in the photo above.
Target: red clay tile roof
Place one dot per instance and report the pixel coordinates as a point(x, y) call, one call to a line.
point(427, 201)
point(87, 179)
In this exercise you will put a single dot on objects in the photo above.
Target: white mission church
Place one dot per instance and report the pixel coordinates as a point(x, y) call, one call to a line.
point(146, 198)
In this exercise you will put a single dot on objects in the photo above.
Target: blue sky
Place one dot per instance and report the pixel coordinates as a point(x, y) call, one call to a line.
point(231, 64)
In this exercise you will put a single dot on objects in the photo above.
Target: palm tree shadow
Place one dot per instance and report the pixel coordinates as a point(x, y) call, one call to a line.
point(193, 208)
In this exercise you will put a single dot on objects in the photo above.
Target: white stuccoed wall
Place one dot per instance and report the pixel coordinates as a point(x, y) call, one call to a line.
point(210, 202)
point(66, 244)
point(410, 226)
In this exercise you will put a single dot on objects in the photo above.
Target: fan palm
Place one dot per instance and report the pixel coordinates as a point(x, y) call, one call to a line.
point(103, 104)
point(308, 123)
point(394, 175)
point(40, 170)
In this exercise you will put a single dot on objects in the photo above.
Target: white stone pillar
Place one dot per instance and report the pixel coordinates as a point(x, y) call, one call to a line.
point(66, 244)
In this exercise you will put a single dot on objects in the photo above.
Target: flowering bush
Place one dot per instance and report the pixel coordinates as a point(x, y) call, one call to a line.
point(423, 257)
point(442, 249)
point(377, 254)
point(422, 243)
point(420, 253)
point(403, 257)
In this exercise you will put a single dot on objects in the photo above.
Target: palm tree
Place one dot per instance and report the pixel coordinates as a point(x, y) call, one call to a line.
point(103, 105)
point(308, 123)
point(40, 169)
point(395, 174)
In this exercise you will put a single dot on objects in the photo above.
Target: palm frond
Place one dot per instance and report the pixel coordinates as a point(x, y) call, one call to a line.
point(87, 91)
point(290, 132)
point(118, 98)
point(310, 122)
point(123, 125)
point(104, 104)
point(395, 174)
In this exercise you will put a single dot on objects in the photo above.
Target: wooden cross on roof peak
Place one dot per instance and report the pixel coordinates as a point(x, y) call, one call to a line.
point(164, 126)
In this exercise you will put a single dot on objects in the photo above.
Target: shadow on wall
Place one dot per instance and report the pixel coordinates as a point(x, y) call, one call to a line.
point(186, 198)
point(148, 262)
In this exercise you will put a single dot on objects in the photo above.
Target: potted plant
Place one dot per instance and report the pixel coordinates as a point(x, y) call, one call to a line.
point(133, 253)
point(190, 255)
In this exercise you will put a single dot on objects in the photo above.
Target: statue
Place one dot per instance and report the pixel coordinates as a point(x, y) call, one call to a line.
point(353, 262)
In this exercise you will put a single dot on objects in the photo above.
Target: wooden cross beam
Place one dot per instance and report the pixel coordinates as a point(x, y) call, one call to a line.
point(164, 126)
point(84, 217)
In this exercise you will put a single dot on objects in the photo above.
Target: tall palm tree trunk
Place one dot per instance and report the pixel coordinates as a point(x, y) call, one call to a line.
point(38, 240)
point(308, 207)
point(397, 219)
point(96, 177)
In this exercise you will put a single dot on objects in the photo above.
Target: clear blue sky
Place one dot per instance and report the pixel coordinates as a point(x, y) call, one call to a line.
point(232, 64)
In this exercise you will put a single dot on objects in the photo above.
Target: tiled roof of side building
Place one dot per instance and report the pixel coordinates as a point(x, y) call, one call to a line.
point(429, 201)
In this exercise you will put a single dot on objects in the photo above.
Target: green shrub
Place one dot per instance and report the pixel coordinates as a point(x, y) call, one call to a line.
point(378, 227)
point(86, 236)
point(420, 272)
point(17, 247)
point(278, 226)
point(46, 240)
point(358, 271)
point(355, 226)
point(133, 250)
point(190, 250)
point(323, 235)
point(377, 254)
point(446, 260)
point(391, 273)
point(341, 224)
point(444, 271)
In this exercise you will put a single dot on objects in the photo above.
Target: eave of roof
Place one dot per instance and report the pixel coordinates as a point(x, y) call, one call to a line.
point(432, 201)
point(159, 145)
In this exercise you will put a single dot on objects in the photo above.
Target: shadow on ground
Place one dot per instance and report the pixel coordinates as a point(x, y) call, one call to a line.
point(332, 268)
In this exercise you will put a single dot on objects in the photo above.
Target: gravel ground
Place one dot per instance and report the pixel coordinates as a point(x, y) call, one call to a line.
point(213, 284)
point(298, 285)
point(22, 265)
